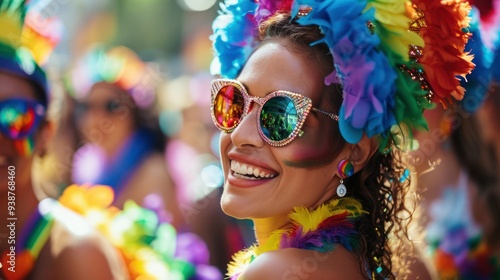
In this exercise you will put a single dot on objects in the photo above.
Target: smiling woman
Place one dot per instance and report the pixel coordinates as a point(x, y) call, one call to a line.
point(316, 107)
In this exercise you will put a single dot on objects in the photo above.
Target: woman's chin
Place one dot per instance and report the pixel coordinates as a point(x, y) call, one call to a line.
point(232, 208)
point(240, 206)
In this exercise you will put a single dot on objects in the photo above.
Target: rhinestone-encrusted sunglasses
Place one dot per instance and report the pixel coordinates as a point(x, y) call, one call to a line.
point(281, 114)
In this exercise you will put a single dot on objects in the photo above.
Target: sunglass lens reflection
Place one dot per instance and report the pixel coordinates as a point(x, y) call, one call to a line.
point(278, 118)
point(228, 107)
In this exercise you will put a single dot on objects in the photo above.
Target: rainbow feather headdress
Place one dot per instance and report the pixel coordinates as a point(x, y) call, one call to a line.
point(393, 58)
point(119, 66)
point(485, 46)
point(26, 40)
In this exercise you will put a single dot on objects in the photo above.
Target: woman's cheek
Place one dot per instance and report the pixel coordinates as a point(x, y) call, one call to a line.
point(312, 154)
point(224, 145)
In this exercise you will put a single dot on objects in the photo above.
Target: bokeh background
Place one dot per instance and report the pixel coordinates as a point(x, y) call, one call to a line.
point(172, 37)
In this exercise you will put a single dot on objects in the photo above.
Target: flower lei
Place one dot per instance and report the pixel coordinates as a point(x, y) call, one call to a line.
point(321, 230)
point(393, 58)
point(151, 247)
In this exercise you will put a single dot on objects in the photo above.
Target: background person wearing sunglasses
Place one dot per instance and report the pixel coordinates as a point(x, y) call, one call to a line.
point(38, 240)
point(116, 119)
point(316, 106)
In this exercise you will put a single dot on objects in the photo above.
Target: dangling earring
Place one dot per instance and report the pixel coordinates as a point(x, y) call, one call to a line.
point(341, 189)
point(345, 169)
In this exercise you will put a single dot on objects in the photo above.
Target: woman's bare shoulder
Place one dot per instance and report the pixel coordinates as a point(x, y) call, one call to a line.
point(76, 246)
point(299, 264)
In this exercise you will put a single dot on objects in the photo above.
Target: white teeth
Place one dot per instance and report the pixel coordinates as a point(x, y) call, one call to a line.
point(245, 177)
point(256, 173)
point(241, 169)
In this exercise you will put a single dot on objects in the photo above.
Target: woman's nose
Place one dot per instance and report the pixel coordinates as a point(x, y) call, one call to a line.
point(247, 132)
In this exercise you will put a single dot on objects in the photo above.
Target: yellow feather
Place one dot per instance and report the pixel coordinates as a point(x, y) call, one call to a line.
point(272, 243)
point(10, 33)
point(39, 46)
point(393, 26)
point(240, 261)
point(311, 219)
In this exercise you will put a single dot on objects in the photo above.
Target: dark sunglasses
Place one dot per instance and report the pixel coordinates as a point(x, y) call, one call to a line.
point(19, 118)
point(281, 114)
point(109, 107)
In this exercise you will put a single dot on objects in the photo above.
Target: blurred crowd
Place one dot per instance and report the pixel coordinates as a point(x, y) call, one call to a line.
point(128, 108)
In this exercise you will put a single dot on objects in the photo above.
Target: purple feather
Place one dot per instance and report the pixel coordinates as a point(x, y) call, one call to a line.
point(321, 240)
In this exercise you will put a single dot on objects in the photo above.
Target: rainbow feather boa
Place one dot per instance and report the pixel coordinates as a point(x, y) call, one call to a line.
point(321, 230)
point(389, 74)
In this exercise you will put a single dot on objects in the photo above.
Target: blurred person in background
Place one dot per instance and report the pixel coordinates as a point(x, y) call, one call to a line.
point(116, 94)
point(486, 196)
point(463, 228)
point(454, 162)
point(38, 240)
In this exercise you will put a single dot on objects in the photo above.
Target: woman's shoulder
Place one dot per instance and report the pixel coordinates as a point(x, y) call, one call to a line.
point(75, 246)
point(77, 233)
point(295, 264)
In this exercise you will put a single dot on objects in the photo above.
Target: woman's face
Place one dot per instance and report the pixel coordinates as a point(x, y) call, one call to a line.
point(302, 172)
point(107, 116)
point(18, 88)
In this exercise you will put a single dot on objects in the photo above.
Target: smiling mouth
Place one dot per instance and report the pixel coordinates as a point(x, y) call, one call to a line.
point(249, 172)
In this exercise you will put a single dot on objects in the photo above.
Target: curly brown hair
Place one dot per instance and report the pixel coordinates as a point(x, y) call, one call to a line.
point(378, 186)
